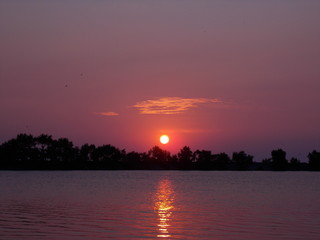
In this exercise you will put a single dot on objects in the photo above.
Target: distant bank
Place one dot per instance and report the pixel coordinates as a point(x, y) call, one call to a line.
point(26, 152)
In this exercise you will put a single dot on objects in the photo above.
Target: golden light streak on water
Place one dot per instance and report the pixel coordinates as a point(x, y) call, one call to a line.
point(164, 205)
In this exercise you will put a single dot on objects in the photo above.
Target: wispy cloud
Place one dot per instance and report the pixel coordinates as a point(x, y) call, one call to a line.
point(171, 105)
point(193, 130)
point(108, 114)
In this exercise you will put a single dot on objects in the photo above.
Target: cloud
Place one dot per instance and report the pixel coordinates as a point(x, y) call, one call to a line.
point(108, 114)
point(171, 105)
point(193, 130)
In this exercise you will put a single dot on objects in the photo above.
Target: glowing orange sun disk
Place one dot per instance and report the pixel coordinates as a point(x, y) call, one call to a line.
point(164, 139)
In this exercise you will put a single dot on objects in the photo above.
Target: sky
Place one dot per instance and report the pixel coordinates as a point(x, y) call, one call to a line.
point(217, 75)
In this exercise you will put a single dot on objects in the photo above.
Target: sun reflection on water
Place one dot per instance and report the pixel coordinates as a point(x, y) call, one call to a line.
point(163, 205)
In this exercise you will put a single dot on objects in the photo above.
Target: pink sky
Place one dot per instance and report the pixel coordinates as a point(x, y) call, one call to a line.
point(233, 75)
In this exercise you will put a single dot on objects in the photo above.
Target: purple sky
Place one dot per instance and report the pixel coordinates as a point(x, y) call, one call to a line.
point(215, 75)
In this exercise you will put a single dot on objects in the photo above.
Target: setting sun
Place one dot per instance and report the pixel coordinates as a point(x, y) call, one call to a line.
point(164, 139)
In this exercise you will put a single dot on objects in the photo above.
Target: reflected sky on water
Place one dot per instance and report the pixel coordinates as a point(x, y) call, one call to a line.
point(94, 205)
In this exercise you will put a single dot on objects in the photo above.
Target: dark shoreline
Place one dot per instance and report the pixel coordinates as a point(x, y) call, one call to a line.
point(26, 152)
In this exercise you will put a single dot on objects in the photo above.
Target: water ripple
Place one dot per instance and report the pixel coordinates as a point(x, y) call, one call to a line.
point(149, 205)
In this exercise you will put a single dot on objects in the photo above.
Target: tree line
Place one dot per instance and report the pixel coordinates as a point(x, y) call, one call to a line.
point(26, 152)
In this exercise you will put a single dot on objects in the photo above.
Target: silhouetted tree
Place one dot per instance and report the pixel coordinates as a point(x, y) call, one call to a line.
point(242, 160)
point(314, 160)
point(157, 154)
point(145, 160)
point(86, 152)
point(107, 157)
point(20, 152)
point(221, 161)
point(295, 164)
point(86, 156)
point(174, 162)
point(62, 154)
point(202, 158)
point(44, 143)
point(132, 160)
point(158, 158)
point(185, 157)
point(279, 161)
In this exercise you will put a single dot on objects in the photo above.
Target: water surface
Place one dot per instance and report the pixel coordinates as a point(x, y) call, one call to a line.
point(159, 204)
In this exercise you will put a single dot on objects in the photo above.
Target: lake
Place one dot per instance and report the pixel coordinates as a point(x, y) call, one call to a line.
point(60, 205)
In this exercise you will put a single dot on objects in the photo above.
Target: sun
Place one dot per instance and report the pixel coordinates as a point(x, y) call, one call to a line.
point(164, 139)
